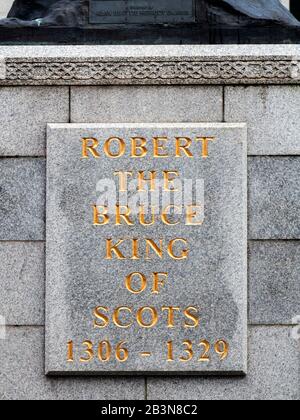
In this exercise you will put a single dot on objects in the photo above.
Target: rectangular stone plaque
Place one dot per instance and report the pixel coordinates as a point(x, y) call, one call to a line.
point(142, 11)
point(146, 249)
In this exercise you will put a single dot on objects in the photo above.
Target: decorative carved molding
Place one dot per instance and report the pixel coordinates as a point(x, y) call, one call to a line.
point(120, 71)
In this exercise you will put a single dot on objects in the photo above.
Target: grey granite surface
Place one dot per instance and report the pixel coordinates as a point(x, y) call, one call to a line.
point(273, 373)
point(22, 283)
point(273, 282)
point(274, 296)
point(22, 199)
point(274, 197)
point(25, 112)
point(272, 202)
point(271, 114)
point(146, 104)
point(212, 279)
point(22, 374)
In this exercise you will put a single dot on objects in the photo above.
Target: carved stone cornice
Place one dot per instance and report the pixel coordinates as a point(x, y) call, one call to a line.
point(145, 70)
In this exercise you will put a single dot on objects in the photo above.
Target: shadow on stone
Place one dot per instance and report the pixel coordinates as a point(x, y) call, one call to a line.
point(213, 22)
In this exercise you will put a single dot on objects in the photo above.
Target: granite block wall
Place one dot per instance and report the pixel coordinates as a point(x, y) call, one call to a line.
point(274, 233)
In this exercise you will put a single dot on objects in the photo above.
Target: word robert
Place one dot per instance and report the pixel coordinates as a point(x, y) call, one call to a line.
point(140, 147)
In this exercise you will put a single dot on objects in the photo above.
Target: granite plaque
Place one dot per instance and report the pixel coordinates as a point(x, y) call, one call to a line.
point(141, 11)
point(146, 249)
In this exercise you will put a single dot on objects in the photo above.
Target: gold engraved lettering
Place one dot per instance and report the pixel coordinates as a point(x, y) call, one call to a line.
point(116, 316)
point(185, 252)
point(100, 316)
point(70, 358)
point(123, 213)
point(206, 349)
point(158, 281)
point(88, 351)
point(176, 249)
point(138, 147)
point(165, 213)
point(104, 351)
point(188, 350)
point(89, 145)
point(191, 214)
point(159, 147)
point(115, 147)
point(153, 315)
point(170, 351)
point(143, 283)
point(135, 249)
point(205, 141)
point(222, 349)
point(120, 144)
point(183, 144)
point(123, 179)
point(122, 353)
point(142, 180)
point(100, 212)
point(193, 317)
point(142, 216)
point(158, 250)
point(169, 178)
point(114, 250)
point(171, 310)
